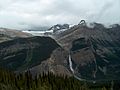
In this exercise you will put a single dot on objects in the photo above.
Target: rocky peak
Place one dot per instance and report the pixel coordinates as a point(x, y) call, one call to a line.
point(58, 27)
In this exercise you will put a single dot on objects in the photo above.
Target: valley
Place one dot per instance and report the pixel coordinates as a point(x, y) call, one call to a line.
point(89, 54)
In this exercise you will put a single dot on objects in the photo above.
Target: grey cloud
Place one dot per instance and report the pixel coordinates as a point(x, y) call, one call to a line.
point(24, 13)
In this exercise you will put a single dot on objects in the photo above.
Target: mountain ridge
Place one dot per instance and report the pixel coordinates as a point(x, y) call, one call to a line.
point(93, 51)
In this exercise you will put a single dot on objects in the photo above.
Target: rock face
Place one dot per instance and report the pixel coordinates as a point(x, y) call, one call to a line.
point(94, 51)
point(59, 27)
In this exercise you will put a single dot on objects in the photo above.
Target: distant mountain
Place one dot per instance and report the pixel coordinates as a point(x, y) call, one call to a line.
point(48, 31)
point(59, 27)
point(10, 34)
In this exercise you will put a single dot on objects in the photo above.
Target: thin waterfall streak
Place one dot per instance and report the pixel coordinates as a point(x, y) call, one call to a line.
point(70, 63)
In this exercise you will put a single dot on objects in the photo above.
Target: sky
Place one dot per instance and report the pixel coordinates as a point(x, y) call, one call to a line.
point(21, 14)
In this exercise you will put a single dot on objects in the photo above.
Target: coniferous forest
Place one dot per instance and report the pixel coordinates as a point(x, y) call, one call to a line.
point(49, 81)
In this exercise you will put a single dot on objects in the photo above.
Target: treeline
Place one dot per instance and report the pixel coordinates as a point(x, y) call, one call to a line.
point(49, 81)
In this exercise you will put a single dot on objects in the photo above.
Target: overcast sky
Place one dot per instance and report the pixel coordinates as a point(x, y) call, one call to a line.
point(26, 13)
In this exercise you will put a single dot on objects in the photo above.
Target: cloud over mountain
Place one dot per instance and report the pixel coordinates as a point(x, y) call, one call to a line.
point(24, 13)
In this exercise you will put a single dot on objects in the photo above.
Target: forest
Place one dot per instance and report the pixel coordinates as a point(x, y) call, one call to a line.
point(49, 81)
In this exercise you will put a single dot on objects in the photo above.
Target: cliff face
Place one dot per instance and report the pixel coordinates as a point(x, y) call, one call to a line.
point(94, 50)
point(23, 53)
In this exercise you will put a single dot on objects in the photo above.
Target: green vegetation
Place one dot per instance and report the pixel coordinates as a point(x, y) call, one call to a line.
point(25, 81)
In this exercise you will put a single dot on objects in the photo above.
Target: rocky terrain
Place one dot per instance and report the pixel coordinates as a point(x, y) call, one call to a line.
point(85, 52)
point(59, 27)
point(94, 50)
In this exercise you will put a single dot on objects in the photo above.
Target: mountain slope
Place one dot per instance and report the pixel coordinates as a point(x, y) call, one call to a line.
point(86, 52)
point(94, 50)
point(22, 53)
point(10, 34)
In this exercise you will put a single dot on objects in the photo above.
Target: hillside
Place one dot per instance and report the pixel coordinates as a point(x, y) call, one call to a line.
point(10, 34)
point(22, 53)
point(89, 53)
point(94, 50)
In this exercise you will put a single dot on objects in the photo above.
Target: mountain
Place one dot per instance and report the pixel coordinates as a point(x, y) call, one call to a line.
point(94, 50)
point(87, 52)
point(20, 51)
point(59, 28)
point(23, 53)
point(10, 34)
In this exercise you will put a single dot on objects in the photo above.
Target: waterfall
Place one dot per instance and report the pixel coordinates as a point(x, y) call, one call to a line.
point(70, 63)
point(71, 68)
